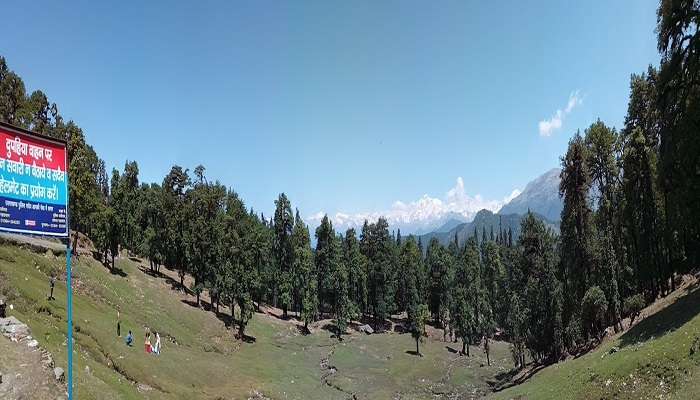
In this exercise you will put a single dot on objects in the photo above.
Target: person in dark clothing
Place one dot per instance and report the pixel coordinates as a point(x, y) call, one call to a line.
point(119, 328)
point(129, 339)
point(52, 283)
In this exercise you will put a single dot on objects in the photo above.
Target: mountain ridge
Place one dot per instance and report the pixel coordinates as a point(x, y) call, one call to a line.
point(541, 196)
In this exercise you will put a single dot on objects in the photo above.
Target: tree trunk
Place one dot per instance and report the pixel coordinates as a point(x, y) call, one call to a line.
point(486, 349)
point(241, 322)
point(74, 249)
point(673, 282)
point(464, 345)
point(241, 329)
point(417, 349)
point(233, 314)
point(112, 261)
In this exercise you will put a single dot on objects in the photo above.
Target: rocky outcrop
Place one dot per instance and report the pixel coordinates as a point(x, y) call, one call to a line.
point(14, 329)
point(18, 332)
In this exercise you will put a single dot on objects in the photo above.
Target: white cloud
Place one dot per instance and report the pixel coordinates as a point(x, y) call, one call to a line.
point(549, 126)
point(421, 213)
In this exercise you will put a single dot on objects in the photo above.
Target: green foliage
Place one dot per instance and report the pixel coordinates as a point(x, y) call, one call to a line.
point(282, 249)
point(593, 309)
point(305, 271)
point(325, 259)
point(633, 306)
point(542, 293)
point(376, 245)
point(678, 97)
point(356, 265)
point(516, 324)
point(576, 224)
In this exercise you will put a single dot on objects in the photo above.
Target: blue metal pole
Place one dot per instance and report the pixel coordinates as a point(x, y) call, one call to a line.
point(69, 291)
point(69, 281)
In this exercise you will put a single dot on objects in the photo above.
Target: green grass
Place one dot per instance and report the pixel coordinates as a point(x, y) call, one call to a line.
point(654, 361)
point(207, 362)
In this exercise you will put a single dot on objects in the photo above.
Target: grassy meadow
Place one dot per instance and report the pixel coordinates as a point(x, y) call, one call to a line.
point(200, 357)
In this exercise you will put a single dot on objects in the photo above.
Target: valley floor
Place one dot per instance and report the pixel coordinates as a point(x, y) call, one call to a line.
point(201, 358)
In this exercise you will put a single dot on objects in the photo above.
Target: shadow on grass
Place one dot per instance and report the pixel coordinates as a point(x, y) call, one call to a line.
point(174, 285)
point(118, 271)
point(114, 271)
point(452, 350)
point(304, 331)
point(669, 319)
point(224, 317)
point(247, 338)
point(515, 377)
point(414, 353)
point(330, 327)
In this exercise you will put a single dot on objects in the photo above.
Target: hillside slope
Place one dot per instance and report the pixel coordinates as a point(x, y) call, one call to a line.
point(202, 360)
point(658, 358)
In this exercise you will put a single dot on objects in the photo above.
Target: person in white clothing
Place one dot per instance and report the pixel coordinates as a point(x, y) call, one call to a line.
point(156, 348)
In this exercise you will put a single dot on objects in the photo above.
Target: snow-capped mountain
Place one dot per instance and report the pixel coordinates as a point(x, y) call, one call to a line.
point(540, 196)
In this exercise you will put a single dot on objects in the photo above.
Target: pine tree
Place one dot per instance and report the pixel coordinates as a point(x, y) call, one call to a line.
point(576, 225)
point(678, 97)
point(283, 223)
point(543, 295)
point(324, 259)
point(416, 310)
point(377, 247)
point(356, 265)
point(305, 270)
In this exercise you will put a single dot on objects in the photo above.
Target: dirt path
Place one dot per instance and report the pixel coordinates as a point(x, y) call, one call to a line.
point(23, 376)
point(328, 371)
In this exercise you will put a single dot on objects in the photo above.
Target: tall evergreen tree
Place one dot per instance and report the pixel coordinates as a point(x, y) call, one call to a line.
point(305, 270)
point(283, 223)
point(576, 225)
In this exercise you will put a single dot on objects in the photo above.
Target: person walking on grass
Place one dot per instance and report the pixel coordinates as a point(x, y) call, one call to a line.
point(52, 284)
point(156, 348)
point(119, 320)
point(129, 339)
point(147, 344)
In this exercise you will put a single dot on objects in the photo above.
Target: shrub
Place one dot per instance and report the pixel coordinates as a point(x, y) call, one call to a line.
point(594, 307)
point(573, 336)
point(633, 306)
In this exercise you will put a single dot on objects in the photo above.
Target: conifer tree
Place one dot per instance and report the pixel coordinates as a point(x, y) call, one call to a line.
point(283, 224)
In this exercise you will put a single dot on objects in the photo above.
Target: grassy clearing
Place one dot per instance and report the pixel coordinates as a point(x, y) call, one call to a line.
point(654, 361)
point(201, 359)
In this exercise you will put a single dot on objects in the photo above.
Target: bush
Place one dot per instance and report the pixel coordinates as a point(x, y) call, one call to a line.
point(572, 335)
point(633, 306)
point(594, 307)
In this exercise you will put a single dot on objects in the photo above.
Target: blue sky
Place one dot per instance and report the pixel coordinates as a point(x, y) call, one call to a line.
point(345, 106)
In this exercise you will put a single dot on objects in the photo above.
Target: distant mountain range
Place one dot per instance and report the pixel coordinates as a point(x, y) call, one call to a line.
point(485, 220)
point(541, 196)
